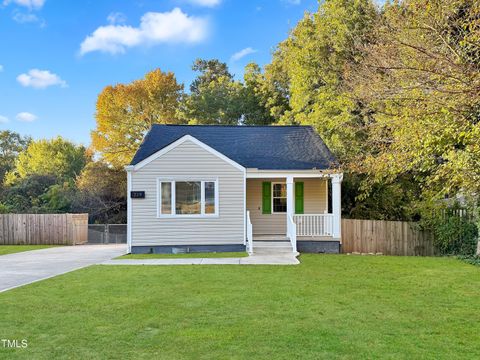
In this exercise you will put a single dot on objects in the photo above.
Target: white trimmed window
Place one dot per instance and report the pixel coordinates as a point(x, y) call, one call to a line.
point(279, 197)
point(187, 198)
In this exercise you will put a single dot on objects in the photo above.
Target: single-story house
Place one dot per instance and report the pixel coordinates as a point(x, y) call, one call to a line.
point(225, 188)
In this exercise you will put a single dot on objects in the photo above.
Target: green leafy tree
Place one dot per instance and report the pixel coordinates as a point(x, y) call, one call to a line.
point(420, 78)
point(57, 157)
point(308, 70)
point(209, 71)
point(217, 98)
point(25, 195)
point(11, 144)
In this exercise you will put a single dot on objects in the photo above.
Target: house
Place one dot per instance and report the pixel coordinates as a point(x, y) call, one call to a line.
point(233, 188)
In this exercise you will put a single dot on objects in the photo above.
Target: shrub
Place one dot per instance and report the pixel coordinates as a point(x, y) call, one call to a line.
point(455, 235)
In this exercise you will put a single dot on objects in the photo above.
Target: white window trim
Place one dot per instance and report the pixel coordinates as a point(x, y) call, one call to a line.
point(173, 198)
point(273, 211)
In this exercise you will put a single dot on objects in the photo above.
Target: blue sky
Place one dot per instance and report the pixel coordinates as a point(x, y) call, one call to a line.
point(57, 55)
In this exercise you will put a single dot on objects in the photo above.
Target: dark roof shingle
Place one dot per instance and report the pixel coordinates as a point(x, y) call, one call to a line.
point(262, 147)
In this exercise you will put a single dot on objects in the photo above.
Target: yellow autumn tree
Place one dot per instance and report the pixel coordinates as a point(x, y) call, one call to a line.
point(125, 112)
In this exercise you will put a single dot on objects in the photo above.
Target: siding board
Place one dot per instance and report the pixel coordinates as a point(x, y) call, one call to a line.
point(315, 202)
point(192, 161)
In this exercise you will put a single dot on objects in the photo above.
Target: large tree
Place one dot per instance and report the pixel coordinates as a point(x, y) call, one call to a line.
point(308, 71)
point(421, 79)
point(57, 157)
point(216, 97)
point(125, 112)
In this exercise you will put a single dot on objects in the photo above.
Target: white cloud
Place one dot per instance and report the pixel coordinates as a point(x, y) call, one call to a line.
point(40, 79)
point(26, 117)
point(208, 3)
point(116, 18)
point(1, 68)
point(293, 2)
point(3, 119)
point(25, 18)
point(242, 53)
point(31, 4)
point(168, 27)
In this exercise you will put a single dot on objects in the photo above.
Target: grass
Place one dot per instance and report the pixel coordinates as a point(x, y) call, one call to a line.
point(188, 255)
point(328, 307)
point(10, 249)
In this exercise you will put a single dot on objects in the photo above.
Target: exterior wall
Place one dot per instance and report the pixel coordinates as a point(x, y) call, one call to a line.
point(315, 202)
point(188, 160)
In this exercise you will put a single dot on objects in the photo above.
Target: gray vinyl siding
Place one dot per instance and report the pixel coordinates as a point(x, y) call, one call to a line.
point(192, 161)
point(315, 202)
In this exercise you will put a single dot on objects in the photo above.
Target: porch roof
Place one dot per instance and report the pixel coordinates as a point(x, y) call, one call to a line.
point(260, 147)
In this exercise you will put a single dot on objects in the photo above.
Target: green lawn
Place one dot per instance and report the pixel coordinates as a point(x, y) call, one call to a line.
point(328, 307)
point(189, 255)
point(10, 249)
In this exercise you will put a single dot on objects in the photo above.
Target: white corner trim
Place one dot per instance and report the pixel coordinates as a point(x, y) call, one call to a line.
point(129, 208)
point(180, 141)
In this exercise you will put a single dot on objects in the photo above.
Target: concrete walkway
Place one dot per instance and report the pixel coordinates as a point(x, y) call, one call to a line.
point(255, 259)
point(23, 268)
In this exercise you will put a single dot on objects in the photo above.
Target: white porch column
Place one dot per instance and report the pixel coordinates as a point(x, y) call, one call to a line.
point(337, 205)
point(290, 199)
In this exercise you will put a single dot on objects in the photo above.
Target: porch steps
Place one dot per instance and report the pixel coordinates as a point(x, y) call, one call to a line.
point(271, 247)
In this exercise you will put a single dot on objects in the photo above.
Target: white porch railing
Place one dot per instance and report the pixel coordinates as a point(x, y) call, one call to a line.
point(249, 239)
point(292, 232)
point(314, 224)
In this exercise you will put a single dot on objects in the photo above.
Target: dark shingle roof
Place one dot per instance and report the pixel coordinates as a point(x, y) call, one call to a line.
point(262, 147)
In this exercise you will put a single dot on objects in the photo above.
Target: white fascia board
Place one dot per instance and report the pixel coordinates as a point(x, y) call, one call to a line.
point(271, 174)
point(180, 141)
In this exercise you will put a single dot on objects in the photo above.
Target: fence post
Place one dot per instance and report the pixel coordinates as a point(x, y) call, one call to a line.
point(105, 234)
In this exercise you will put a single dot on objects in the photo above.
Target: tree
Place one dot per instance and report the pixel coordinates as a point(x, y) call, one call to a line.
point(11, 144)
point(217, 98)
point(420, 78)
point(57, 157)
point(307, 71)
point(25, 195)
point(102, 193)
point(210, 71)
point(256, 97)
point(125, 112)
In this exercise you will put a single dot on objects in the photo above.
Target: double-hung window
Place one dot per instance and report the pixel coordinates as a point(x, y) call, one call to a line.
point(279, 197)
point(194, 198)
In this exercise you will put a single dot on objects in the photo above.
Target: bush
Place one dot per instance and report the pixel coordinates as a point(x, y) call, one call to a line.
point(455, 235)
point(474, 260)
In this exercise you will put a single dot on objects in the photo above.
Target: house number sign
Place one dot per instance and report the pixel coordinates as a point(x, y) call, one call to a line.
point(137, 194)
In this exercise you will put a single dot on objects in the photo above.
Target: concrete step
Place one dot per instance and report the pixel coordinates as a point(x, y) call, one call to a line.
point(272, 244)
point(271, 248)
point(270, 238)
point(266, 251)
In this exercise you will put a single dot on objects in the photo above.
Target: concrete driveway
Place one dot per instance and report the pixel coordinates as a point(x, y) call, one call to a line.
point(26, 267)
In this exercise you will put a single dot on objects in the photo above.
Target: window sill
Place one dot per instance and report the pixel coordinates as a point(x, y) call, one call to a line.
point(213, 216)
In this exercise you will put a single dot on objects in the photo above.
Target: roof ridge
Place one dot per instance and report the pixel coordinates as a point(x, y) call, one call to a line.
point(236, 126)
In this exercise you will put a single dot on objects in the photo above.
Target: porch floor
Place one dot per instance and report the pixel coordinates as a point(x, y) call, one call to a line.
point(282, 237)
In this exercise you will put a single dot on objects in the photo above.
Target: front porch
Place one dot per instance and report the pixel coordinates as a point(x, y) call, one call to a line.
point(298, 210)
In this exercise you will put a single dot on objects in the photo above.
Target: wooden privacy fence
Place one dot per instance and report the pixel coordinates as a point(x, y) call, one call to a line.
point(386, 237)
point(43, 229)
